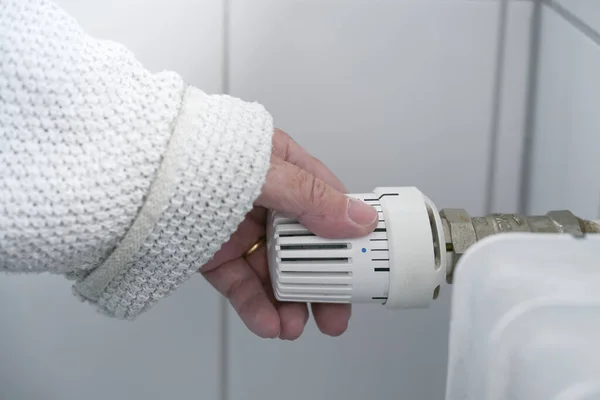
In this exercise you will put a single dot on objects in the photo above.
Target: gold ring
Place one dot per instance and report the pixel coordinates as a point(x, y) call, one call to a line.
point(255, 247)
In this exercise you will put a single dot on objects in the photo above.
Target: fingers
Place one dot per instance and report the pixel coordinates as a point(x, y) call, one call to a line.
point(324, 210)
point(294, 317)
point(332, 319)
point(249, 292)
point(285, 148)
point(240, 284)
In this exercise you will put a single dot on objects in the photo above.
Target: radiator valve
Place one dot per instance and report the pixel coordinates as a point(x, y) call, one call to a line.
point(404, 262)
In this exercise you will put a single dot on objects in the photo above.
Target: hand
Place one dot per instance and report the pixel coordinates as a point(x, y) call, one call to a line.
point(301, 187)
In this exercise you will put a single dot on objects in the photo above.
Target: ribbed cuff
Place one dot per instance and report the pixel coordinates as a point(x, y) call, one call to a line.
point(212, 172)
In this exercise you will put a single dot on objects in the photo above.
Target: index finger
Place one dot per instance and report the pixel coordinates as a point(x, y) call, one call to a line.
point(287, 149)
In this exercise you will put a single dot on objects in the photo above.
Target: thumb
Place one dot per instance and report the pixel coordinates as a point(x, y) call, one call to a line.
point(322, 209)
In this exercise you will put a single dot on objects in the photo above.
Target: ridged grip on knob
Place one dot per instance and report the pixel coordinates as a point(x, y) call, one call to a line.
point(400, 264)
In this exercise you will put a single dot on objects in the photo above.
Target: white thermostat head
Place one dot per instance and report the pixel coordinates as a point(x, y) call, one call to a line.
point(402, 264)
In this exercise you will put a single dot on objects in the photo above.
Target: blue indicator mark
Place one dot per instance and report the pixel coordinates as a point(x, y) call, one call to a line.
point(364, 250)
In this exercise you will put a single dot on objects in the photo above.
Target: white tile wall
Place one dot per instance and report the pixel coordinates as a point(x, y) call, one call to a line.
point(402, 88)
point(54, 348)
point(181, 35)
point(565, 164)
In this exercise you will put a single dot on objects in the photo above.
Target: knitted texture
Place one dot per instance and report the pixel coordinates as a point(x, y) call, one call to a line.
point(83, 132)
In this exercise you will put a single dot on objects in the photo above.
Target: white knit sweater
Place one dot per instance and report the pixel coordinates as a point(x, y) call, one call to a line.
point(123, 180)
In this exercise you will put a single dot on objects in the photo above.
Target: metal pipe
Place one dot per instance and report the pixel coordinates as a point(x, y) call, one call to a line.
point(461, 231)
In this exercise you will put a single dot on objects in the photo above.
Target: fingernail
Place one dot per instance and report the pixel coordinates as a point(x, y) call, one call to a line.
point(361, 213)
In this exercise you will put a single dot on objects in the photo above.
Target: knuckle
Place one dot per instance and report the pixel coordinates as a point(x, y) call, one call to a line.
point(302, 183)
point(318, 193)
point(312, 191)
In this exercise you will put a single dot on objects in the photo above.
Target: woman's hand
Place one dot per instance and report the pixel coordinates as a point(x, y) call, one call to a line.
point(301, 187)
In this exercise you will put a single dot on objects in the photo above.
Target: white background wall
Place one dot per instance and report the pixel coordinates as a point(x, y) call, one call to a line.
point(429, 93)
point(565, 167)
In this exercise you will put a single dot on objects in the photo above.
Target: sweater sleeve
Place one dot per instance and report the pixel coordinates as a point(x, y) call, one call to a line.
point(123, 180)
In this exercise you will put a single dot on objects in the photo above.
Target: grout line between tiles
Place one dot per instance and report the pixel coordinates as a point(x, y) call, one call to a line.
point(223, 329)
point(496, 104)
point(223, 349)
point(568, 16)
point(531, 102)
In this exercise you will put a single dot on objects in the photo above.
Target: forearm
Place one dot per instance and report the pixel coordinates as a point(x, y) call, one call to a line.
point(126, 180)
